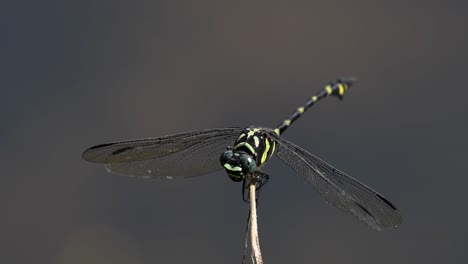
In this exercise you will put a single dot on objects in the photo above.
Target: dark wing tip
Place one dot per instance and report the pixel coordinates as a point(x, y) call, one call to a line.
point(87, 155)
point(397, 219)
point(387, 202)
point(91, 155)
point(100, 146)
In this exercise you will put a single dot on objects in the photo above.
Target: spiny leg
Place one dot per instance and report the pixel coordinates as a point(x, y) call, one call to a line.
point(245, 185)
point(260, 179)
point(335, 88)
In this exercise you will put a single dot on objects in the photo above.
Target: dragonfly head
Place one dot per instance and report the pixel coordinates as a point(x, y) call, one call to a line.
point(237, 164)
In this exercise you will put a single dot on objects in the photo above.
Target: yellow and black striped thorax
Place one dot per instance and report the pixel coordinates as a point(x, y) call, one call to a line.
point(257, 143)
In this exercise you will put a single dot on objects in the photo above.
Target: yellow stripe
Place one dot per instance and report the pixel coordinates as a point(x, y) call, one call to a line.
point(277, 131)
point(287, 122)
point(229, 167)
point(265, 153)
point(329, 89)
point(314, 98)
point(256, 141)
point(251, 133)
point(300, 110)
point(340, 89)
point(247, 145)
point(273, 148)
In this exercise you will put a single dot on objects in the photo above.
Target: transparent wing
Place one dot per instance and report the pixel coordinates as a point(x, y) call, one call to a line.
point(182, 155)
point(338, 188)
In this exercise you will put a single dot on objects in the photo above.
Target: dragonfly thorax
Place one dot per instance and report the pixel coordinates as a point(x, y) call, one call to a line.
point(252, 148)
point(238, 164)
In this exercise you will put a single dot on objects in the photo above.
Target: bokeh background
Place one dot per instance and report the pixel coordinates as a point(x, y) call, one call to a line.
point(79, 73)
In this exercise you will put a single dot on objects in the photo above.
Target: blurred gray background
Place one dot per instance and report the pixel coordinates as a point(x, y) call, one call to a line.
point(79, 73)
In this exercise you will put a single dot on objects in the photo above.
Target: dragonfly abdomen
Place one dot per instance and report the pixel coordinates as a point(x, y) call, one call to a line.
point(335, 88)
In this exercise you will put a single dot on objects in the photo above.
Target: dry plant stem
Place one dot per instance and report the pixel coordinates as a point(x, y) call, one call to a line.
point(256, 254)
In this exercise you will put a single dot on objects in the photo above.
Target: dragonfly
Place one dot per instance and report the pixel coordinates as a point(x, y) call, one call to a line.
point(242, 152)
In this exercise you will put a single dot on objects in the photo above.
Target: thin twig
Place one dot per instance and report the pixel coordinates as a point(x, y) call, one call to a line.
point(254, 241)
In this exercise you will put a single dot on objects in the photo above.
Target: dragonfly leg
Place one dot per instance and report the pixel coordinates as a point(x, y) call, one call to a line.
point(260, 179)
point(245, 186)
